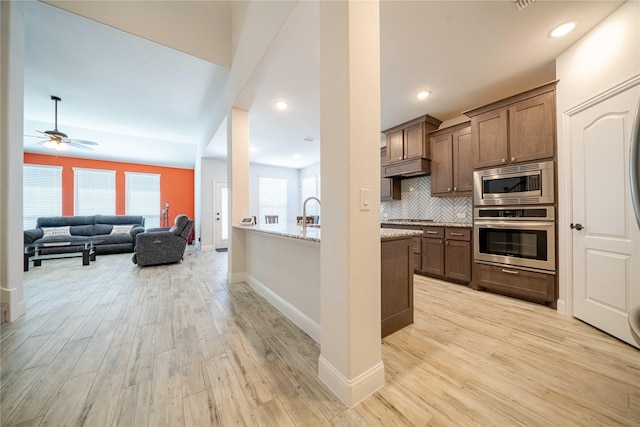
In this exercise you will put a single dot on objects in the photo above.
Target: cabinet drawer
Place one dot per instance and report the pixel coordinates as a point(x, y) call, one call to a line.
point(528, 285)
point(433, 232)
point(417, 245)
point(456, 233)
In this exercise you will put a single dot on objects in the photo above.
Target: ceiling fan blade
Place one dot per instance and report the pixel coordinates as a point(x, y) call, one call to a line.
point(34, 136)
point(76, 145)
point(82, 141)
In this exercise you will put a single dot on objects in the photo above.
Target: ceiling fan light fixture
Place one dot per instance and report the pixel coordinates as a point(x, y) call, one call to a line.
point(51, 144)
point(62, 146)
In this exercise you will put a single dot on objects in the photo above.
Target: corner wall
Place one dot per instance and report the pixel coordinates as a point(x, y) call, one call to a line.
point(11, 139)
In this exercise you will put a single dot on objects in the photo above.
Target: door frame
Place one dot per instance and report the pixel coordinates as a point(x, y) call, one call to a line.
point(565, 193)
point(216, 240)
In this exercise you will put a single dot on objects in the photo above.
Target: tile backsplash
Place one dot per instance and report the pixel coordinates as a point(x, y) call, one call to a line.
point(416, 203)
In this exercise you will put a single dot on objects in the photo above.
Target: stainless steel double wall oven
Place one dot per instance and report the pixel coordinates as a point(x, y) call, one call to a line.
point(514, 217)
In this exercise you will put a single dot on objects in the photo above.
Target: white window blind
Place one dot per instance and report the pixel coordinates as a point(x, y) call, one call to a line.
point(310, 189)
point(95, 192)
point(273, 199)
point(143, 197)
point(42, 193)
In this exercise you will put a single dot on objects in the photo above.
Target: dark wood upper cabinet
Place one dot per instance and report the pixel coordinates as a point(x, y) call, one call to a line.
point(390, 189)
point(409, 140)
point(517, 129)
point(452, 161)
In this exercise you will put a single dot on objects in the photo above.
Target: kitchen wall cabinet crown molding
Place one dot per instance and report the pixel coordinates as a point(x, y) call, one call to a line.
point(517, 129)
point(408, 147)
point(452, 161)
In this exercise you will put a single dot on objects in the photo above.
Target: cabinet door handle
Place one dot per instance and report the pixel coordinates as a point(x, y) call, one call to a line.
point(455, 188)
point(456, 234)
point(448, 188)
point(400, 158)
point(432, 232)
point(514, 272)
point(503, 160)
point(439, 242)
point(446, 242)
point(513, 159)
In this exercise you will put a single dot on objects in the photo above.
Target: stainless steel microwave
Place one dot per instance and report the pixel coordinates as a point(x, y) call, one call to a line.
point(526, 184)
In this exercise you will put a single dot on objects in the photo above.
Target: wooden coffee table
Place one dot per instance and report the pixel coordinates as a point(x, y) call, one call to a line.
point(86, 250)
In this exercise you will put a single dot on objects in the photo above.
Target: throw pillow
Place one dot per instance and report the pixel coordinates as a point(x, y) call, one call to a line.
point(55, 231)
point(121, 229)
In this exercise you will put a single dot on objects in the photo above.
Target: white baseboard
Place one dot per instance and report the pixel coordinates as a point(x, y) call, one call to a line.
point(300, 319)
point(561, 307)
point(15, 309)
point(237, 277)
point(351, 392)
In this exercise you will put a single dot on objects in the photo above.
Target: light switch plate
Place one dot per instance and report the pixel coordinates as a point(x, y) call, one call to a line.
point(365, 199)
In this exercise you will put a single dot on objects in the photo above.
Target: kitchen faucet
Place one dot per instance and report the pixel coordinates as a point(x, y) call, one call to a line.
point(304, 212)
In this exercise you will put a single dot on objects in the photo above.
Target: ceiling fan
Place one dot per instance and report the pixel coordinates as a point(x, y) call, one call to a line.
point(57, 140)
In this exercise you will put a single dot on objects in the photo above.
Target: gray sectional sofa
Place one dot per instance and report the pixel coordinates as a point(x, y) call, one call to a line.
point(110, 233)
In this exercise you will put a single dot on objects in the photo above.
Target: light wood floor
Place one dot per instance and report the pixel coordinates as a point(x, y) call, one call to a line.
point(114, 344)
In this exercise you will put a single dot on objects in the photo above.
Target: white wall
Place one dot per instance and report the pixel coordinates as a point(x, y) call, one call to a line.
point(11, 156)
point(211, 170)
point(313, 170)
point(605, 57)
point(293, 187)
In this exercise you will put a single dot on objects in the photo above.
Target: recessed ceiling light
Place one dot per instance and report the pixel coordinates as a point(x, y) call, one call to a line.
point(564, 29)
point(281, 105)
point(423, 94)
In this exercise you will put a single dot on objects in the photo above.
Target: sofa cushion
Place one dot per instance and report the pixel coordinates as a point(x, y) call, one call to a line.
point(82, 230)
point(55, 231)
point(101, 229)
point(113, 239)
point(119, 219)
point(59, 221)
point(57, 240)
point(121, 229)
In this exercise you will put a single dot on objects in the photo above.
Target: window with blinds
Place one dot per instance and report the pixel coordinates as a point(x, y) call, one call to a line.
point(310, 189)
point(143, 197)
point(272, 199)
point(42, 193)
point(95, 192)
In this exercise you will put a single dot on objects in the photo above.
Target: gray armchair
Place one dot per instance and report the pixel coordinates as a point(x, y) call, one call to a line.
point(163, 245)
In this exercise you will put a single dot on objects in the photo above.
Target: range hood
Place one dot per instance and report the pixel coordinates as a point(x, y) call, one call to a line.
point(407, 168)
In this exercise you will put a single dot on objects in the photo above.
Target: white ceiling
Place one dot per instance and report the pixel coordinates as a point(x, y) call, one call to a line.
point(150, 104)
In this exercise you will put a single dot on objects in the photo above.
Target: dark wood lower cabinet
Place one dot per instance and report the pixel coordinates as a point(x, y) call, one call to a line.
point(527, 285)
point(458, 260)
point(396, 285)
point(433, 256)
point(446, 253)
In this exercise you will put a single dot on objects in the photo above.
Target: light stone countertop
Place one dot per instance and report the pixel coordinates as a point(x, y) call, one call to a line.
point(313, 233)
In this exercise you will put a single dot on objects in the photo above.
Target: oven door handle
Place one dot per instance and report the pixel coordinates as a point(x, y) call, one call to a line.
point(513, 224)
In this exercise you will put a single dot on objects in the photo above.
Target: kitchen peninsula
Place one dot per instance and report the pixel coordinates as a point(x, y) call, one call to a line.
point(283, 265)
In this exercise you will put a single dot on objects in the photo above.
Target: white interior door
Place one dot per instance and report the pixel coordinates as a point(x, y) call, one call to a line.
point(606, 251)
point(221, 215)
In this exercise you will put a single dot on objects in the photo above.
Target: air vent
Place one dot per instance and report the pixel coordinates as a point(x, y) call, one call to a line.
point(521, 4)
point(309, 139)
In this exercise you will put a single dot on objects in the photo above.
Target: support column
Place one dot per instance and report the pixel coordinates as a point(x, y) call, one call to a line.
point(238, 185)
point(350, 362)
point(12, 30)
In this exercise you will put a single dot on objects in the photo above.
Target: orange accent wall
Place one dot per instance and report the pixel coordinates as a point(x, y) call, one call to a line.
point(176, 185)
